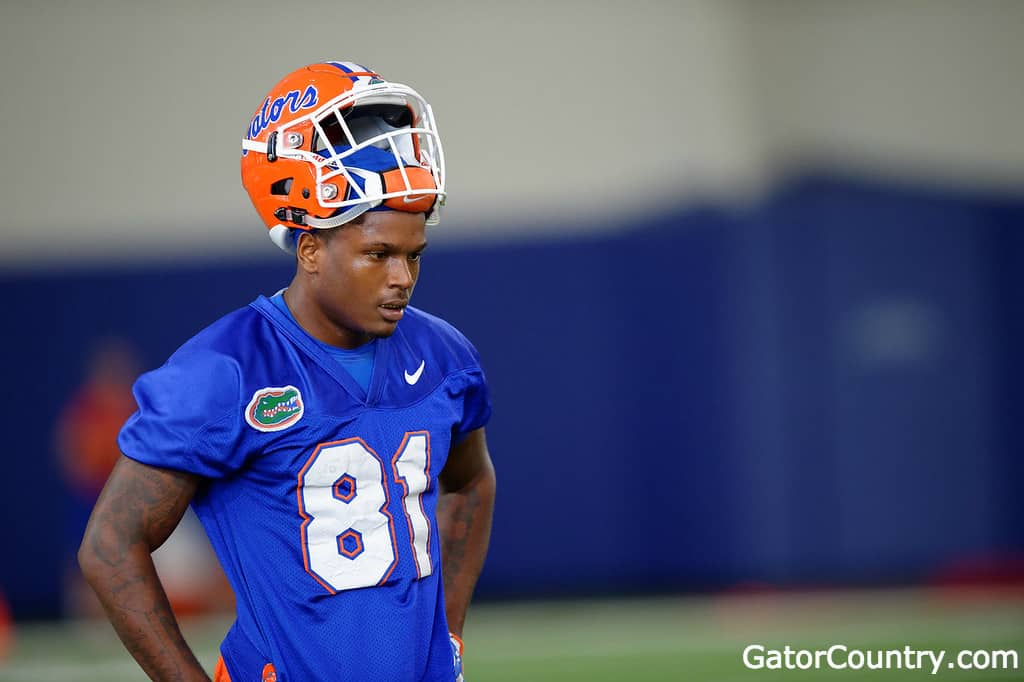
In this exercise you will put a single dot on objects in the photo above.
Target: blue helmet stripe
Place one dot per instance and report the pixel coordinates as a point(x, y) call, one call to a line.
point(348, 67)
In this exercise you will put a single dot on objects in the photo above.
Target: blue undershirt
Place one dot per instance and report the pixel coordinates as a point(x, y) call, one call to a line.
point(358, 362)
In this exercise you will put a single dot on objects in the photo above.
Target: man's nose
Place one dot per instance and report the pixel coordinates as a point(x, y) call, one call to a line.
point(400, 273)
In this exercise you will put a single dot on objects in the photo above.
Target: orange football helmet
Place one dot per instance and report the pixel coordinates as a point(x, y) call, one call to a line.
point(334, 140)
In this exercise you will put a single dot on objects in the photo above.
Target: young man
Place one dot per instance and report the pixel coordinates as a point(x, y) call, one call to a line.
point(330, 438)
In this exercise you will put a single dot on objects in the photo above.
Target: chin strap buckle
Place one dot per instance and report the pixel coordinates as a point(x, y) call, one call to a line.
point(291, 214)
point(272, 147)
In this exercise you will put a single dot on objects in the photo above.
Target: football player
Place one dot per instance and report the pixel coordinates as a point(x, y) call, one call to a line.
point(330, 437)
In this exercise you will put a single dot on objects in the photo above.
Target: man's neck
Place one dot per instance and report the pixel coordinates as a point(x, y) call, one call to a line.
point(312, 319)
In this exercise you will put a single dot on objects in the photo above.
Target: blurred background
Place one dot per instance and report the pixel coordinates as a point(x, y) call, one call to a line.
point(747, 280)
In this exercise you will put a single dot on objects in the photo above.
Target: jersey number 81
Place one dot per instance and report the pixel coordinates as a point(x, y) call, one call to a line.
point(348, 530)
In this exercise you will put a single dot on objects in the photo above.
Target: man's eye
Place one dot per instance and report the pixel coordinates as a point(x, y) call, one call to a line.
point(377, 255)
point(415, 257)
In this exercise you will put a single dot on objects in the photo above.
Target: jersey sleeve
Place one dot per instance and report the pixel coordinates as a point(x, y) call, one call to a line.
point(189, 417)
point(476, 404)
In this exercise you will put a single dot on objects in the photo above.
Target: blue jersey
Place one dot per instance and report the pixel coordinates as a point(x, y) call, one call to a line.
point(319, 497)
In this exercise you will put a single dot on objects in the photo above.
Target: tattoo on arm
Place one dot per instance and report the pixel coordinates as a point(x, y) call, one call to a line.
point(136, 512)
point(459, 513)
point(464, 511)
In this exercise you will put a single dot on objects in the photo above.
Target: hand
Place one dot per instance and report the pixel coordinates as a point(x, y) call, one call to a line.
point(456, 656)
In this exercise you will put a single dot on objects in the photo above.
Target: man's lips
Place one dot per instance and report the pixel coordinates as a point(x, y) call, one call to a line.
point(393, 310)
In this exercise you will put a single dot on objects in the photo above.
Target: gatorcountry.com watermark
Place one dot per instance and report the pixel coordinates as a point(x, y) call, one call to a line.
point(842, 657)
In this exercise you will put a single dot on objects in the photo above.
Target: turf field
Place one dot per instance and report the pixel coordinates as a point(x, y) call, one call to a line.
point(634, 640)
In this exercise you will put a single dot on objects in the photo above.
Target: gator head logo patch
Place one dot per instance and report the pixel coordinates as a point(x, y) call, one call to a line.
point(274, 408)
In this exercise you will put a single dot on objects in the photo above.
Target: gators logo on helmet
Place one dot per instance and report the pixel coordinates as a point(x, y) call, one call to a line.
point(335, 139)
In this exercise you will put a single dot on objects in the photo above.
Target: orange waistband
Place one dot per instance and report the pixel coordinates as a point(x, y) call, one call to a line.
point(220, 672)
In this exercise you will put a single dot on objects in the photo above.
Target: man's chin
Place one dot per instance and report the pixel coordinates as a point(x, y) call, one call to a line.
point(384, 330)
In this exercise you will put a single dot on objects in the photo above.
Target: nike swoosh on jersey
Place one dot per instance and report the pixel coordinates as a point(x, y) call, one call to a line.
point(411, 379)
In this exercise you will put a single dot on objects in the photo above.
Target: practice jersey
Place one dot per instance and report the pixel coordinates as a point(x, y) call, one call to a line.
point(319, 499)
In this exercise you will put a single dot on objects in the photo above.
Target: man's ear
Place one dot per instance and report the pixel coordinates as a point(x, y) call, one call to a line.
point(307, 252)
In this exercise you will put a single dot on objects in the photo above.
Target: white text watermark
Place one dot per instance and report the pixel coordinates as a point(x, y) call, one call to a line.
point(842, 657)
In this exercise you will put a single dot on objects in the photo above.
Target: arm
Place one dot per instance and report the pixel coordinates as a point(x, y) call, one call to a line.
point(137, 510)
point(464, 511)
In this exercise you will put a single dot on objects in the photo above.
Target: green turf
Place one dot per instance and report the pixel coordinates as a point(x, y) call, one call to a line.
point(639, 640)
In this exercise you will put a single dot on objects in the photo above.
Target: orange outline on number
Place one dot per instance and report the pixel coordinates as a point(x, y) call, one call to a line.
point(307, 519)
point(405, 495)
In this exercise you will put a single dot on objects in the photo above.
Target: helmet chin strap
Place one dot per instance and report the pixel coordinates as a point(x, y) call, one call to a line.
point(373, 188)
point(342, 218)
point(254, 146)
point(282, 236)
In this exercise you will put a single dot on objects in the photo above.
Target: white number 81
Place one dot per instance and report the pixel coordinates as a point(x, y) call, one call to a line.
point(348, 530)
